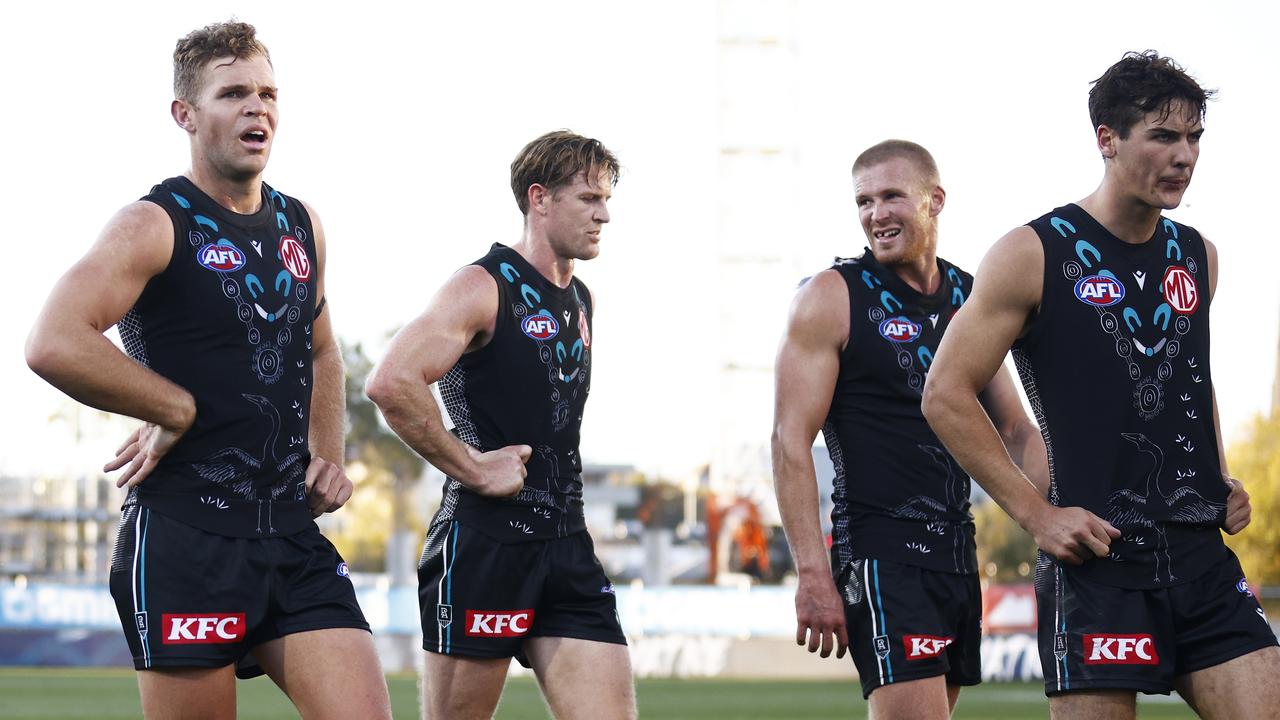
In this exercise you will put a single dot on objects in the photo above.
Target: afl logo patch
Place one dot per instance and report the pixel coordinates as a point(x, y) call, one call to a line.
point(222, 256)
point(1099, 290)
point(899, 329)
point(540, 327)
point(1180, 290)
point(295, 259)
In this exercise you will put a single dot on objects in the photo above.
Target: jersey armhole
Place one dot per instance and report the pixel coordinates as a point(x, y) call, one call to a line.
point(1035, 319)
point(501, 317)
point(175, 221)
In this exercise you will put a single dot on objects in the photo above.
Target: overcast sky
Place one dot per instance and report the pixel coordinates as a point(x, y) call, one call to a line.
point(398, 124)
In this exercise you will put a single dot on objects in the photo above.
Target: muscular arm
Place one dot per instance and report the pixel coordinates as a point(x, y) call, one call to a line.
point(1006, 291)
point(805, 377)
point(66, 347)
point(459, 318)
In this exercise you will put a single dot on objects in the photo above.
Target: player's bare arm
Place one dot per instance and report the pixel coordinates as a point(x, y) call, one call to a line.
point(805, 377)
point(328, 487)
point(1007, 291)
point(460, 318)
point(1239, 510)
point(1021, 436)
point(67, 348)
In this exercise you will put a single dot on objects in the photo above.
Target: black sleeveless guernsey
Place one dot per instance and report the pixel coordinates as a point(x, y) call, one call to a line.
point(527, 386)
point(898, 494)
point(230, 319)
point(1116, 366)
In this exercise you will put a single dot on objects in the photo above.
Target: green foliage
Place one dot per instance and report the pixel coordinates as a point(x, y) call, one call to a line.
point(1255, 461)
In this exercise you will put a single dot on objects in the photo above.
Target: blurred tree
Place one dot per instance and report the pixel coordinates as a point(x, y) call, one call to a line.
point(384, 471)
point(1004, 545)
point(1255, 460)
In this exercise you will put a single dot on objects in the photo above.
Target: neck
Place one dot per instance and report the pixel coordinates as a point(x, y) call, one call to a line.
point(1123, 215)
point(921, 273)
point(238, 196)
point(537, 251)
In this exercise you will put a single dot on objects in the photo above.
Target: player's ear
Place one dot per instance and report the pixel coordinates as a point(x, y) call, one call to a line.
point(1107, 139)
point(539, 198)
point(183, 115)
point(937, 198)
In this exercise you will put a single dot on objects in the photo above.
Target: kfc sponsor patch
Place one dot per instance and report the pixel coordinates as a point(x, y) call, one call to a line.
point(1103, 649)
point(921, 647)
point(201, 629)
point(499, 623)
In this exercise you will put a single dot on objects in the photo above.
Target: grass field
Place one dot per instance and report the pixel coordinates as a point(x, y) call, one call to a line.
point(66, 694)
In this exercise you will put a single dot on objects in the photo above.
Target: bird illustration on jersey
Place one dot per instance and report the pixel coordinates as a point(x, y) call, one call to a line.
point(235, 469)
point(1185, 504)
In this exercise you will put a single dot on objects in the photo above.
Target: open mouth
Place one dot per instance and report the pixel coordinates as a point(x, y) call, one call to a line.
point(256, 138)
point(887, 234)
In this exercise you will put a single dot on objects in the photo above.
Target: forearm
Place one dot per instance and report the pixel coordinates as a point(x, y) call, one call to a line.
point(86, 366)
point(796, 486)
point(411, 412)
point(328, 430)
point(964, 427)
point(1027, 450)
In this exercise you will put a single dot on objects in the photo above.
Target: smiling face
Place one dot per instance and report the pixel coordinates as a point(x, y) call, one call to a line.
point(898, 208)
point(1154, 163)
point(232, 121)
point(575, 215)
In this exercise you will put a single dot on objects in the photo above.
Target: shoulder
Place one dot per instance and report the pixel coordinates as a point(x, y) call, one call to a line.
point(821, 306)
point(141, 228)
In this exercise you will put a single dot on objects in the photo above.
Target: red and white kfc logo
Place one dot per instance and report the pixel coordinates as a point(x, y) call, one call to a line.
point(1120, 650)
point(920, 647)
point(213, 628)
point(499, 623)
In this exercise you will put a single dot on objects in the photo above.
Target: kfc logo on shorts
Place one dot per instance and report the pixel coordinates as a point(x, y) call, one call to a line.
point(540, 327)
point(212, 628)
point(1120, 650)
point(1099, 290)
point(899, 329)
point(1180, 290)
point(922, 647)
point(295, 259)
point(222, 256)
point(501, 623)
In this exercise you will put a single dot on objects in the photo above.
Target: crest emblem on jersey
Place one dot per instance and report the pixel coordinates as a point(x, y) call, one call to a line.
point(881, 644)
point(584, 330)
point(1179, 290)
point(899, 329)
point(1099, 290)
point(540, 327)
point(295, 259)
point(444, 614)
point(221, 256)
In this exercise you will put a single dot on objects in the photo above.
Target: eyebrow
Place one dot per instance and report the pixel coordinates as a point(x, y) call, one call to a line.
point(246, 88)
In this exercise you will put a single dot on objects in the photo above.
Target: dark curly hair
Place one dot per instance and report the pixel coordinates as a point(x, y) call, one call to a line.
point(1142, 82)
